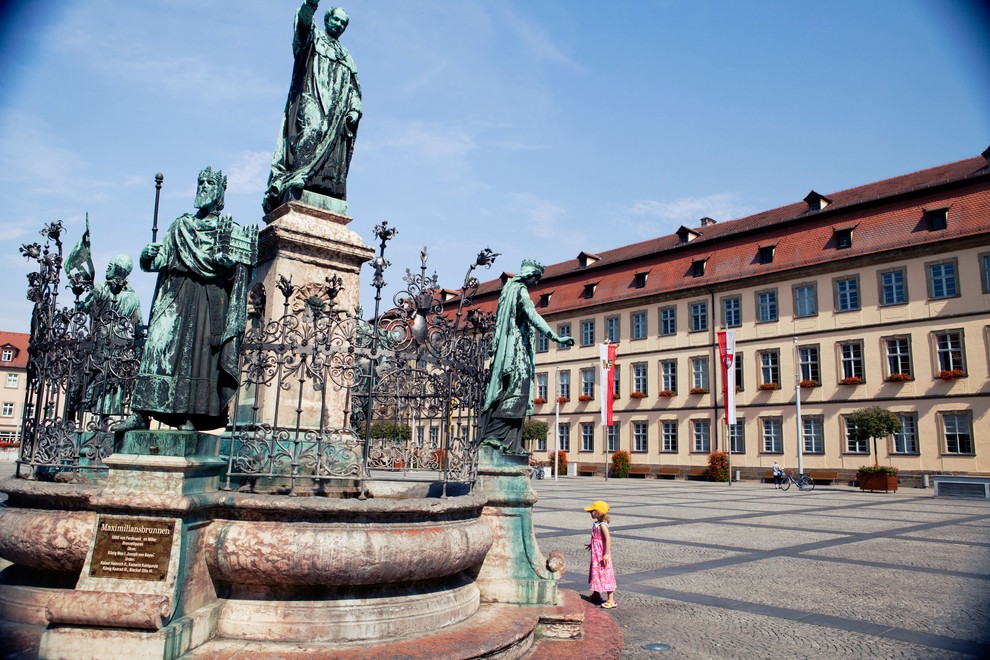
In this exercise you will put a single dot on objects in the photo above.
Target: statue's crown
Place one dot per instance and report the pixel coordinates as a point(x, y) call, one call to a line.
point(533, 265)
point(215, 175)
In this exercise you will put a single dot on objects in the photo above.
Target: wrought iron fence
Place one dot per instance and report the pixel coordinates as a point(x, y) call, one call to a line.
point(326, 397)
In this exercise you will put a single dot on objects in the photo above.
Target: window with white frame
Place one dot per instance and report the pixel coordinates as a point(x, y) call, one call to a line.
point(637, 321)
point(564, 330)
point(616, 382)
point(587, 437)
point(949, 350)
point(805, 300)
point(640, 383)
point(588, 332)
point(420, 435)
point(564, 436)
point(669, 431)
point(810, 361)
point(957, 432)
point(641, 442)
point(668, 321)
point(731, 312)
point(773, 442)
point(699, 373)
point(766, 306)
point(813, 434)
point(854, 445)
point(612, 436)
point(542, 343)
point(612, 329)
point(564, 384)
point(668, 375)
point(702, 435)
point(893, 287)
point(942, 281)
point(588, 383)
point(7, 409)
point(770, 369)
point(739, 371)
point(12, 380)
point(541, 386)
point(434, 435)
point(851, 360)
point(699, 316)
point(7, 355)
point(906, 440)
point(737, 437)
point(898, 357)
point(846, 294)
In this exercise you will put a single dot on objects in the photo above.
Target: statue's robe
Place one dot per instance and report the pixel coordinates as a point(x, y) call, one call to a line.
point(189, 370)
point(507, 395)
point(314, 144)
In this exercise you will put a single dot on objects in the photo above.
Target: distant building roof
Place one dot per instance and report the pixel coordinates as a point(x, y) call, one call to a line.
point(18, 342)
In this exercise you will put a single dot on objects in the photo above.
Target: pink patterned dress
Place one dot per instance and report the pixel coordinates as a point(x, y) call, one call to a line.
point(601, 578)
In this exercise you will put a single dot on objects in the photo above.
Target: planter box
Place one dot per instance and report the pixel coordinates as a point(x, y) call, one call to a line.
point(884, 482)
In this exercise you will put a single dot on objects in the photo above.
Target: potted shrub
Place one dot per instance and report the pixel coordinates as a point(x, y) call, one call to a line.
point(951, 374)
point(872, 423)
point(560, 462)
point(699, 390)
point(851, 380)
point(584, 398)
point(811, 382)
point(877, 477)
point(620, 464)
point(636, 395)
point(718, 466)
point(769, 386)
point(666, 394)
point(899, 378)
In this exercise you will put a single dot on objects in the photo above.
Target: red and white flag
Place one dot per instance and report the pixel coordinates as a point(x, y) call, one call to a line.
point(607, 373)
point(727, 357)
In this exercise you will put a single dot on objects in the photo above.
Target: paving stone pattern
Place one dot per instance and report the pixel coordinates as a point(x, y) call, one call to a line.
point(746, 571)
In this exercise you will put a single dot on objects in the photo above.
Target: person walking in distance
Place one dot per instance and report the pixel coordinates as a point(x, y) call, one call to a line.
point(778, 473)
point(601, 573)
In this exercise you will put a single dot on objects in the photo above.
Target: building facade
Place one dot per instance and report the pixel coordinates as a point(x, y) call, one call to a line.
point(876, 295)
point(13, 384)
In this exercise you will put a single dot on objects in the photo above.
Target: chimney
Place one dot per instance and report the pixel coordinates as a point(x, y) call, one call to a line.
point(707, 222)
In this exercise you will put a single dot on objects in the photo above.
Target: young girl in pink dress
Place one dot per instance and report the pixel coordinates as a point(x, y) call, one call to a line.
point(601, 574)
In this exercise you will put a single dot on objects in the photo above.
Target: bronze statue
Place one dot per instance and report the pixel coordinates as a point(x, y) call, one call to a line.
point(189, 370)
point(507, 394)
point(322, 112)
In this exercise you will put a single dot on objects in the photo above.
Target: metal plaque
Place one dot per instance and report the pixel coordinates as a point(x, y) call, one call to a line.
point(132, 548)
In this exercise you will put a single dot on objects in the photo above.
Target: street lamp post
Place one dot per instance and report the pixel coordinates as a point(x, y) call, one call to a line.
point(797, 405)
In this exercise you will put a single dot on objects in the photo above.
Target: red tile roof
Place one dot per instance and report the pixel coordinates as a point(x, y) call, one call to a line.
point(19, 342)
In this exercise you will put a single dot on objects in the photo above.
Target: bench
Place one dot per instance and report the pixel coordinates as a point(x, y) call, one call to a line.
point(640, 471)
point(590, 470)
point(667, 471)
point(823, 476)
point(696, 473)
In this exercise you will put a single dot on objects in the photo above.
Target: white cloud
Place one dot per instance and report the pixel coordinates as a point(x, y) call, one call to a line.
point(538, 41)
point(249, 173)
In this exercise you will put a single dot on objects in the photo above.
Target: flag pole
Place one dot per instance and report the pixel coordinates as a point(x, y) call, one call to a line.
point(556, 426)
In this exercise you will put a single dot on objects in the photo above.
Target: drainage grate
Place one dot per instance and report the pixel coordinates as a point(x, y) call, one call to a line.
point(957, 489)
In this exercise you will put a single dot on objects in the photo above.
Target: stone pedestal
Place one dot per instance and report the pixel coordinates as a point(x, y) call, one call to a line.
point(515, 571)
point(306, 245)
point(144, 589)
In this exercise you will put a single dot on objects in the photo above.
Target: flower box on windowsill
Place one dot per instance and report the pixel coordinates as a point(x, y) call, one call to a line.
point(769, 386)
point(699, 390)
point(584, 398)
point(899, 378)
point(951, 374)
point(538, 400)
point(666, 394)
point(637, 395)
point(852, 380)
point(809, 383)
point(563, 399)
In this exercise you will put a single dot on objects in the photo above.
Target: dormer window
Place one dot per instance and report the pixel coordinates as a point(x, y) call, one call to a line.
point(698, 267)
point(639, 280)
point(816, 202)
point(936, 219)
point(544, 300)
point(589, 290)
point(765, 254)
point(7, 355)
point(585, 259)
point(843, 238)
point(686, 235)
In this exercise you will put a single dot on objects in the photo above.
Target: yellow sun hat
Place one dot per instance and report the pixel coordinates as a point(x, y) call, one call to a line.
point(599, 506)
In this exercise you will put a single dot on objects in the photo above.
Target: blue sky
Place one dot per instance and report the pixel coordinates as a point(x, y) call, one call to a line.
point(538, 128)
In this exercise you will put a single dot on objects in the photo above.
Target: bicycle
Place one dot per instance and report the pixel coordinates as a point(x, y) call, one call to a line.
point(804, 482)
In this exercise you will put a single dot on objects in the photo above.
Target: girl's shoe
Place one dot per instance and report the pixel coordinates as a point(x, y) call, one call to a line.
point(609, 605)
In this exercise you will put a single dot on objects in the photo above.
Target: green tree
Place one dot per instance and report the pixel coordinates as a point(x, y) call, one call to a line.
point(534, 430)
point(390, 431)
point(872, 423)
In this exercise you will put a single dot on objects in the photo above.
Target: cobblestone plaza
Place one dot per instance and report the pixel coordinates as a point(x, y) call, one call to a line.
point(746, 571)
